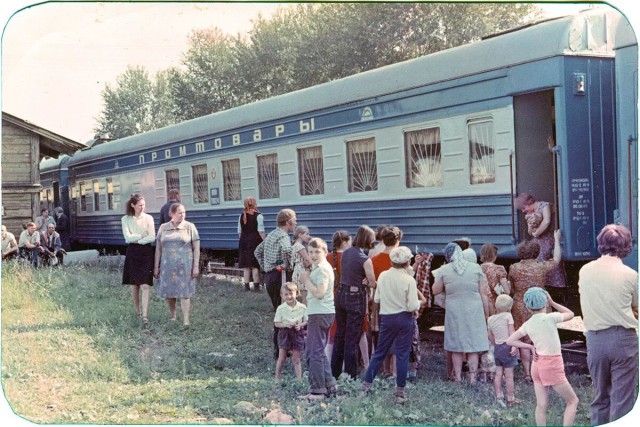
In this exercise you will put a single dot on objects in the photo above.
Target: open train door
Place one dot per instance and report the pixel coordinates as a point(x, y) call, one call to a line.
point(535, 164)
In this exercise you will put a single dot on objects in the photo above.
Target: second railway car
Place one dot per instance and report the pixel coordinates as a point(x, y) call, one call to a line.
point(437, 145)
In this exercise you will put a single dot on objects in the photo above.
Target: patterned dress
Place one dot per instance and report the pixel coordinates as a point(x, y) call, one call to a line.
point(555, 278)
point(298, 265)
point(177, 260)
point(494, 273)
point(524, 275)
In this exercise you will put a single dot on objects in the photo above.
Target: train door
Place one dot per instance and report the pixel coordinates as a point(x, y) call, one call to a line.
point(56, 194)
point(534, 120)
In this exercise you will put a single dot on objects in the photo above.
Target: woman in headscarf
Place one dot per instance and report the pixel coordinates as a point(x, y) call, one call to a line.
point(466, 309)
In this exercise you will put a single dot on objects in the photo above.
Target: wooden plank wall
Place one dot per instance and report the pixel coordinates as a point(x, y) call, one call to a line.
point(20, 177)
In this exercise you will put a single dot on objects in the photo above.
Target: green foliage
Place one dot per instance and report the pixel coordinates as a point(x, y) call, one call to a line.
point(134, 105)
point(73, 351)
point(205, 86)
point(298, 47)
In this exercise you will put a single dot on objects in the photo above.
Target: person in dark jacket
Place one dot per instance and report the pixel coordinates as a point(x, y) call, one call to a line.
point(173, 196)
point(63, 228)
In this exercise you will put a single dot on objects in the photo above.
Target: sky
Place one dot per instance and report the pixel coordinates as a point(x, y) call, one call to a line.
point(58, 57)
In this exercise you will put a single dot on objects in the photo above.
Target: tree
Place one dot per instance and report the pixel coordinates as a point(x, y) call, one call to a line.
point(205, 85)
point(135, 104)
point(297, 47)
point(316, 43)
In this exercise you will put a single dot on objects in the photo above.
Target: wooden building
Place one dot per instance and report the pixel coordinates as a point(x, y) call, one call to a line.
point(23, 146)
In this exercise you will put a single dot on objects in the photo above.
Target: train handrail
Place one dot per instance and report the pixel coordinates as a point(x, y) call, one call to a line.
point(630, 142)
point(513, 209)
point(556, 214)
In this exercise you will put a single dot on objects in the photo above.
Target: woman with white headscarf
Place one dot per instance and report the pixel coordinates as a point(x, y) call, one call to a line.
point(466, 309)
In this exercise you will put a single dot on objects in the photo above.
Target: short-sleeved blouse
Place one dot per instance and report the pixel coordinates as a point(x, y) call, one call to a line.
point(494, 273)
point(524, 275)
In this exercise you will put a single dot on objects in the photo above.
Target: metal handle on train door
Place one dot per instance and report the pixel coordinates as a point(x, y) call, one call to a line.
point(513, 208)
point(630, 142)
point(555, 151)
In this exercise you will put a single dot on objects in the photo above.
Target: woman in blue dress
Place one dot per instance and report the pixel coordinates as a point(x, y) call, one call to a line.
point(466, 309)
point(177, 261)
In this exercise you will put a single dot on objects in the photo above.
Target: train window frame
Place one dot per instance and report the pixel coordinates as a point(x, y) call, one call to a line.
point(82, 192)
point(96, 195)
point(172, 182)
point(200, 183)
point(476, 152)
point(109, 187)
point(367, 166)
point(268, 169)
point(434, 175)
point(310, 173)
point(231, 179)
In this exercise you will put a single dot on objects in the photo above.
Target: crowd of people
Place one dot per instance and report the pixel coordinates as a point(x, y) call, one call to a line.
point(43, 242)
point(363, 299)
point(352, 311)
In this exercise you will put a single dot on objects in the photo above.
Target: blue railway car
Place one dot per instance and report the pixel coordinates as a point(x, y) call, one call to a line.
point(55, 183)
point(437, 145)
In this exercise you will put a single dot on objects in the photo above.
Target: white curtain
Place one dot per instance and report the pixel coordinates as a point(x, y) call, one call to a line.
point(424, 162)
point(482, 158)
point(363, 170)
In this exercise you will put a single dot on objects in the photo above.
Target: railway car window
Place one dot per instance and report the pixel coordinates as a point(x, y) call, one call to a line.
point(109, 194)
point(46, 198)
point(74, 194)
point(268, 177)
point(200, 184)
point(423, 158)
point(83, 197)
point(362, 165)
point(231, 179)
point(172, 176)
point(482, 160)
point(96, 195)
point(310, 171)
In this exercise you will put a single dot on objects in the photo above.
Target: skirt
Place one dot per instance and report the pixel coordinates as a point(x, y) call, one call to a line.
point(138, 265)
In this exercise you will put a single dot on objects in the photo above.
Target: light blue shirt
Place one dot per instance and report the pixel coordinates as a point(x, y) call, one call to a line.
point(322, 273)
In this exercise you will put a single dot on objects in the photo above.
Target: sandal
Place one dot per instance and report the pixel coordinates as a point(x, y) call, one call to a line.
point(311, 397)
point(145, 320)
point(331, 392)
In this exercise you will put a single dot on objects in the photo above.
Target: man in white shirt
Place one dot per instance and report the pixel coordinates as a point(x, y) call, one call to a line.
point(29, 244)
point(609, 302)
point(9, 244)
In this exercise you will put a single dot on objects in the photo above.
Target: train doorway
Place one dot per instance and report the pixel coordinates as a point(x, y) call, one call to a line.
point(534, 119)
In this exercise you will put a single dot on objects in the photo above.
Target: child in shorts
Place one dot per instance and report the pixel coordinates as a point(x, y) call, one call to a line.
point(547, 368)
point(500, 327)
point(290, 318)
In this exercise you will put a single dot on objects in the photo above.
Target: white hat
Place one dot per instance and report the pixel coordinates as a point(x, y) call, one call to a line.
point(401, 255)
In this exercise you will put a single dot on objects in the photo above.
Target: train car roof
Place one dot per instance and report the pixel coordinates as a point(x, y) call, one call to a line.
point(586, 33)
point(50, 163)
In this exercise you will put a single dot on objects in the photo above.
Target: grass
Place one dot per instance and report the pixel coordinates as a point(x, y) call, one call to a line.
point(73, 352)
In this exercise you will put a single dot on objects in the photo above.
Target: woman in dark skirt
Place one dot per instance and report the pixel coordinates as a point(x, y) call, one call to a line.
point(251, 232)
point(139, 233)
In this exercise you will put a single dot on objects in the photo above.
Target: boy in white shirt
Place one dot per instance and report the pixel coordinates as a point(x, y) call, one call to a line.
point(500, 327)
point(547, 368)
point(290, 319)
